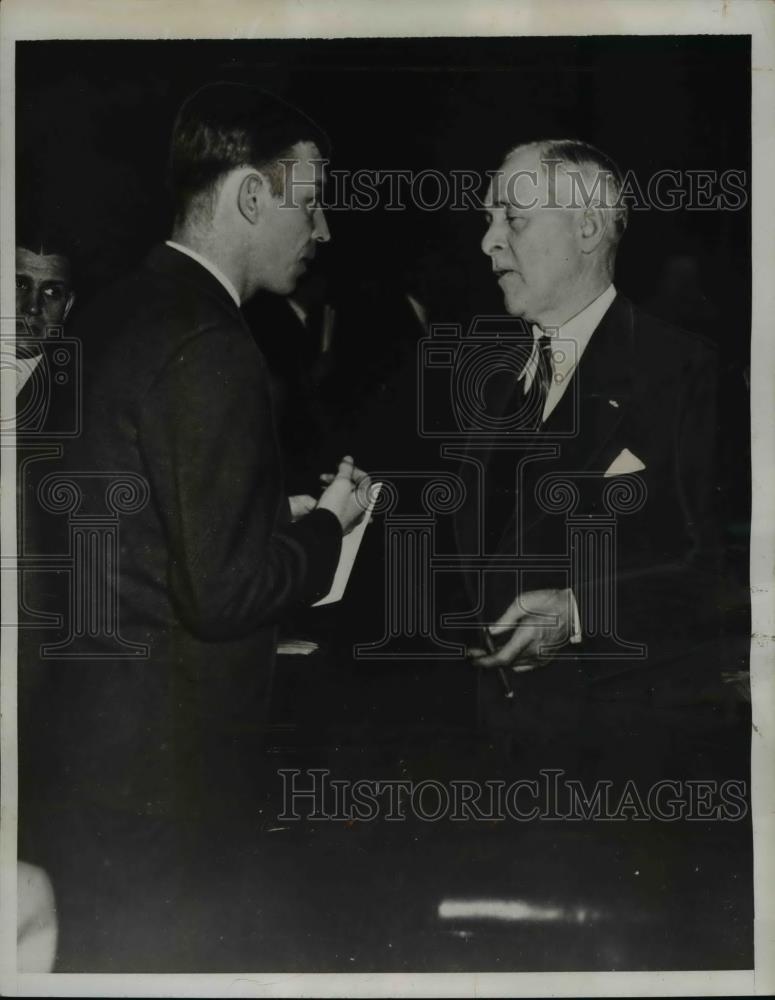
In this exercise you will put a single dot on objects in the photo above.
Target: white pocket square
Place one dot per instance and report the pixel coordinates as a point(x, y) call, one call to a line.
point(624, 462)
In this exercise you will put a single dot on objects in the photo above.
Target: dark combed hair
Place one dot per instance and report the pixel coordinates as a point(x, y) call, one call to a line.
point(223, 126)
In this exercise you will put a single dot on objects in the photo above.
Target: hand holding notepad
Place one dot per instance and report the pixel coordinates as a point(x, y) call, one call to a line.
point(350, 496)
point(350, 545)
point(343, 494)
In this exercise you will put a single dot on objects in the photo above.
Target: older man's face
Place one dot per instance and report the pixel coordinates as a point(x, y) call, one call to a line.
point(43, 291)
point(534, 248)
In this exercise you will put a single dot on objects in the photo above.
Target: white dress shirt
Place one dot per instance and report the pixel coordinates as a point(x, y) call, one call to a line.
point(577, 333)
point(215, 271)
point(24, 369)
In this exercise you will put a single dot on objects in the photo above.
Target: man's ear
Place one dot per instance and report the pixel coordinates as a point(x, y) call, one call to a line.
point(251, 192)
point(69, 304)
point(594, 222)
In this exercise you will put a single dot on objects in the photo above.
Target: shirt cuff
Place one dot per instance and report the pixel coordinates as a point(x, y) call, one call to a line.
point(576, 620)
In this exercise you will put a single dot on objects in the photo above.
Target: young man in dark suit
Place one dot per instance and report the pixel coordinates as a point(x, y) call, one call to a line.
point(157, 687)
point(617, 449)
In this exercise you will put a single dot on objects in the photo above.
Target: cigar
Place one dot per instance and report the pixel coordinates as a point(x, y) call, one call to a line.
point(489, 645)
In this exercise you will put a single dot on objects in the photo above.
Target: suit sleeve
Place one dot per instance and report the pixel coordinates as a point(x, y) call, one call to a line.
point(206, 436)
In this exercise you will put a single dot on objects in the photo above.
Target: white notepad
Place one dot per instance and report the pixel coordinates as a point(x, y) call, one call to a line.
point(296, 647)
point(350, 545)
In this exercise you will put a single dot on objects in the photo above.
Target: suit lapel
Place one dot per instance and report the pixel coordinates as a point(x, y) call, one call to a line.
point(592, 407)
point(578, 429)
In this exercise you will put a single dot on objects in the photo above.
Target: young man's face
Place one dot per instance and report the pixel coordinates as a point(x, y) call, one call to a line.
point(43, 291)
point(534, 249)
point(293, 223)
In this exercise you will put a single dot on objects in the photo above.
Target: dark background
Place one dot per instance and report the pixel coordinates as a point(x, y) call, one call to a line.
point(93, 121)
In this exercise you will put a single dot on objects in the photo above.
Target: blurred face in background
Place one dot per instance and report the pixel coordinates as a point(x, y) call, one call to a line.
point(44, 294)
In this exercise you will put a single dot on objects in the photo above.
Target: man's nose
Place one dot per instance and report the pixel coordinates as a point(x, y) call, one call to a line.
point(321, 232)
point(493, 241)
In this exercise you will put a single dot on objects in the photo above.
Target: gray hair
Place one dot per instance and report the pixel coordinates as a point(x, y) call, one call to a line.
point(583, 156)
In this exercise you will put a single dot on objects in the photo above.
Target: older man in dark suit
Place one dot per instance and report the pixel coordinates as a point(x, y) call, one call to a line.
point(617, 432)
point(158, 687)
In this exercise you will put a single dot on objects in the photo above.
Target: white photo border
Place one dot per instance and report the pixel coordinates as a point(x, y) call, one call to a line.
point(246, 19)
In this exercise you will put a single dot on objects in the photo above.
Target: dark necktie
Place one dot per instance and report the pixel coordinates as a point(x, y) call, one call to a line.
point(535, 397)
point(528, 416)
